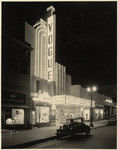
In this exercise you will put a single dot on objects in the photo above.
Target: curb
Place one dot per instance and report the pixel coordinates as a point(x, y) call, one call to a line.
point(99, 127)
point(24, 145)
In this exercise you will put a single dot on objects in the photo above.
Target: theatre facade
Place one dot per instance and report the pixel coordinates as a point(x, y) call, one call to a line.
point(54, 98)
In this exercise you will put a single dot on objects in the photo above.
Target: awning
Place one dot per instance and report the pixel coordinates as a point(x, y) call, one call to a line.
point(14, 106)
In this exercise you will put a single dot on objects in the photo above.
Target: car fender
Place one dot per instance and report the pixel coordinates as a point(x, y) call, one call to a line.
point(87, 127)
point(59, 130)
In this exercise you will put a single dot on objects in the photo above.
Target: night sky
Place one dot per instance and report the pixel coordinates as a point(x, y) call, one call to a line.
point(85, 36)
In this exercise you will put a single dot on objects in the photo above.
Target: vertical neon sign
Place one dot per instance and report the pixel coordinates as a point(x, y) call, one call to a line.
point(50, 62)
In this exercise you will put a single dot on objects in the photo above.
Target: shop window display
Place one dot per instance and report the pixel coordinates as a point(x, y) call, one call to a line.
point(18, 116)
point(44, 114)
point(14, 116)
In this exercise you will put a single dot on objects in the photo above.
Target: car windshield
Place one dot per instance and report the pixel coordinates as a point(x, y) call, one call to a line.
point(78, 120)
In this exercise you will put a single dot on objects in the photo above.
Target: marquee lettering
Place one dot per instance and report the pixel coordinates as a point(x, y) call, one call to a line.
point(50, 49)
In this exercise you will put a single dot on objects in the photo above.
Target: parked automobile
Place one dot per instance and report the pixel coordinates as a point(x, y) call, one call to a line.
point(112, 121)
point(72, 127)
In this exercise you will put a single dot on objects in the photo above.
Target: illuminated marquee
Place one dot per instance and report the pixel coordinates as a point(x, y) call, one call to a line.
point(50, 58)
point(79, 101)
point(66, 99)
point(59, 99)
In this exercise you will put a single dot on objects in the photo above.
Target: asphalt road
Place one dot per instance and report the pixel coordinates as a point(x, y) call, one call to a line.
point(101, 138)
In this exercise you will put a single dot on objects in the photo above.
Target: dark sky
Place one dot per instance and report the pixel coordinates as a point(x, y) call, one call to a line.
point(85, 36)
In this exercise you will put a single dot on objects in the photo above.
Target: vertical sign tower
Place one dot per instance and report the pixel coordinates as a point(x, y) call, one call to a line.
point(51, 44)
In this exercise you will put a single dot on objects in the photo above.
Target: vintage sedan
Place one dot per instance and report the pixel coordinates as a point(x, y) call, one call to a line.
point(72, 127)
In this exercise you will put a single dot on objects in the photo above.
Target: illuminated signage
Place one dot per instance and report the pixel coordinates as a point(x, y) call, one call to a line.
point(50, 53)
point(58, 99)
point(11, 97)
point(44, 97)
point(66, 99)
point(79, 101)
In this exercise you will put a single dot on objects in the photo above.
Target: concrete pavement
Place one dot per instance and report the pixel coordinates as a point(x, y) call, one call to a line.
point(24, 138)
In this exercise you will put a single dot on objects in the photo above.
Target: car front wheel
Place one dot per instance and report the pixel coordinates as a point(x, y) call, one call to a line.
point(87, 131)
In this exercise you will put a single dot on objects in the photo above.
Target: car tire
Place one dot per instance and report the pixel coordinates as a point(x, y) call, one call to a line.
point(87, 131)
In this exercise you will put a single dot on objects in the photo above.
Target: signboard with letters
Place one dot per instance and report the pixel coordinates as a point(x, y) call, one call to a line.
point(13, 98)
point(60, 99)
point(67, 99)
point(79, 101)
point(50, 60)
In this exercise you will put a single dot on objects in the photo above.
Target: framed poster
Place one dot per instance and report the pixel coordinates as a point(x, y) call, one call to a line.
point(44, 114)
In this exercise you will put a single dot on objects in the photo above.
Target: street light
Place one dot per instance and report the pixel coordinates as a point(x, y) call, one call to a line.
point(91, 90)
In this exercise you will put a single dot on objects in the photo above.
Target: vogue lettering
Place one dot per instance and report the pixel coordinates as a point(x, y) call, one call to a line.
point(50, 49)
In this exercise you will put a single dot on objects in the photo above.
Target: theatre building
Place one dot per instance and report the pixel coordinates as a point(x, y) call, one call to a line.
point(54, 98)
point(15, 83)
point(41, 36)
point(47, 77)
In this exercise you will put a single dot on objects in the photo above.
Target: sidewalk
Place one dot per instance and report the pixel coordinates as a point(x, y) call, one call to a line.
point(36, 135)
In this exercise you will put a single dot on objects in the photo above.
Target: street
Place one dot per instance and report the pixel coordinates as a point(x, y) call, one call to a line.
point(101, 138)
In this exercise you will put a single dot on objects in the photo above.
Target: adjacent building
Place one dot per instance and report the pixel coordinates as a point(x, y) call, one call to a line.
point(16, 100)
point(104, 105)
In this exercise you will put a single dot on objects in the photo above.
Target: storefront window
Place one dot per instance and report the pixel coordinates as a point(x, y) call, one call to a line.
point(18, 116)
point(86, 114)
point(14, 116)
